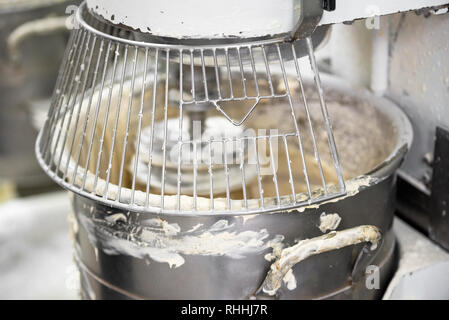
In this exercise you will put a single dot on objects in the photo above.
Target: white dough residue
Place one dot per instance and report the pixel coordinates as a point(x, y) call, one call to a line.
point(329, 222)
point(165, 243)
point(290, 280)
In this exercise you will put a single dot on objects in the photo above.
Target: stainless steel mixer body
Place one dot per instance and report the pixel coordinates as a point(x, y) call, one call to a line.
point(110, 271)
point(127, 255)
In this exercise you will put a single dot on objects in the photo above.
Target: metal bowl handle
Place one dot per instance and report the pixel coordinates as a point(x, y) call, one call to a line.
point(304, 249)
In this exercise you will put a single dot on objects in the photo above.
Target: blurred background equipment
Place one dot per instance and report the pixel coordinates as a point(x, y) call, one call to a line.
point(35, 263)
point(33, 37)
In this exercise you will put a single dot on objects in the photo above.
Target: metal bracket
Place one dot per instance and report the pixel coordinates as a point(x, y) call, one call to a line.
point(430, 213)
point(329, 5)
point(439, 200)
point(311, 13)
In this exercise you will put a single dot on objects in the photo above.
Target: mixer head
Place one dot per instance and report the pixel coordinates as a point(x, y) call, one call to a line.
point(151, 125)
point(210, 22)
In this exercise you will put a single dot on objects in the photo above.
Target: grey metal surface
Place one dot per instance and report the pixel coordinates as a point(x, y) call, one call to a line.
point(439, 209)
point(109, 272)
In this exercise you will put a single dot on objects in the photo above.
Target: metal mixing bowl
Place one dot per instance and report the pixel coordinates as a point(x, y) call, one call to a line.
point(125, 255)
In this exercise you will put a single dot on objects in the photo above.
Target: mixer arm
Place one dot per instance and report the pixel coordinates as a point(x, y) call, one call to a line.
point(310, 13)
point(289, 257)
point(350, 10)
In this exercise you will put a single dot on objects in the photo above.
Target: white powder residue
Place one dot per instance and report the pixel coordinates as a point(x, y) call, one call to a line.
point(169, 229)
point(290, 280)
point(270, 257)
point(163, 242)
point(116, 218)
point(194, 228)
point(353, 187)
point(329, 222)
point(245, 218)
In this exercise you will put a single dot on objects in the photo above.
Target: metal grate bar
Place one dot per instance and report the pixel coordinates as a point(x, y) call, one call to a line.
point(122, 128)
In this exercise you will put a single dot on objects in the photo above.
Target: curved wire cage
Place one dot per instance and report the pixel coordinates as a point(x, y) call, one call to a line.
point(176, 129)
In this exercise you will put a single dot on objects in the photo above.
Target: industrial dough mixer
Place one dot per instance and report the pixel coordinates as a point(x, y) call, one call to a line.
point(196, 148)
